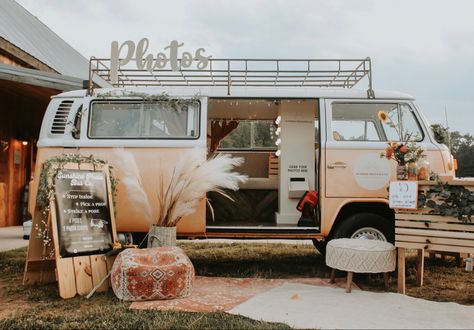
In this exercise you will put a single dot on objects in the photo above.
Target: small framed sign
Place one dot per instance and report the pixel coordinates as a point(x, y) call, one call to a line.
point(403, 195)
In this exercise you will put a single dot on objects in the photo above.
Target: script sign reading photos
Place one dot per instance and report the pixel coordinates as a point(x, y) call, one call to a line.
point(83, 213)
point(403, 195)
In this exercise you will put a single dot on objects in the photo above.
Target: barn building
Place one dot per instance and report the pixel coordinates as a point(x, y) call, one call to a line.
point(35, 64)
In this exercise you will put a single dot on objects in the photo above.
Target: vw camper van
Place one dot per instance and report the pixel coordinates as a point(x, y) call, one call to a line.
point(300, 125)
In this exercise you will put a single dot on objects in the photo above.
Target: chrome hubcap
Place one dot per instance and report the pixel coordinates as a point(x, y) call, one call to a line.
point(369, 233)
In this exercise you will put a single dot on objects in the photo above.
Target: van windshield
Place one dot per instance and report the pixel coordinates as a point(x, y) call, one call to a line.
point(361, 122)
point(150, 120)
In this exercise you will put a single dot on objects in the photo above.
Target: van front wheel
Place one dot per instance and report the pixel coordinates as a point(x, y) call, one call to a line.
point(320, 246)
point(366, 226)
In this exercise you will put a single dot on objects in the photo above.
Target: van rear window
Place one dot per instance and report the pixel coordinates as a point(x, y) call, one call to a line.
point(144, 120)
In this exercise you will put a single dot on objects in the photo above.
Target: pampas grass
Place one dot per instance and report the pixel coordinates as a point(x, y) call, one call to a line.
point(178, 194)
point(133, 182)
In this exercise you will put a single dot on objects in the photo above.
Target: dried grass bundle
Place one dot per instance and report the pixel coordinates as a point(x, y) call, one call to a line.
point(192, 177)
point(133, 182)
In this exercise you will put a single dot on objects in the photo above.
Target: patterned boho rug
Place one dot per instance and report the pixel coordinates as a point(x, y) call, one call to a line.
point(214, 294)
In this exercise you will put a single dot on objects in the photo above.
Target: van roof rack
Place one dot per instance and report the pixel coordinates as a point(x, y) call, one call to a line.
point(331, 73)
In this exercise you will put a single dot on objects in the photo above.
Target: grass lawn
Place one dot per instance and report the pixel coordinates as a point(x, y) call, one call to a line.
point(40, 306)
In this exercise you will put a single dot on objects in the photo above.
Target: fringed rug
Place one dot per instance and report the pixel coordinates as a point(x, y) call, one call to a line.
point(215, 294)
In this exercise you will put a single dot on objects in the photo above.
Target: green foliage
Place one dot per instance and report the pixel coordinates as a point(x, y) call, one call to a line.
point(263, 134)
point(440, 133)
point(462, 148)
point(174, 102)
point(239, 138)
point(251, 135)
point(449, 200)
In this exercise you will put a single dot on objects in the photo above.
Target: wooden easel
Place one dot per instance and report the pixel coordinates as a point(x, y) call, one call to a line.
point(75, 275)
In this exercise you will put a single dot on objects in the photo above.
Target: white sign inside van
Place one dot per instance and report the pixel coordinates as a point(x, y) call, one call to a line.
point(122, 54)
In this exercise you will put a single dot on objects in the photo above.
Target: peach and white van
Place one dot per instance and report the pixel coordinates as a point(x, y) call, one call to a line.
point(299, 125)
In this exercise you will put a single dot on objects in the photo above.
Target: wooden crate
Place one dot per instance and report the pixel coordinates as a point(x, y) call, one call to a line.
point(423, 231)
point(433, 232)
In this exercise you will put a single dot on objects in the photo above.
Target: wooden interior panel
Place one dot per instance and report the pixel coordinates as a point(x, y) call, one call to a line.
point(3, 204)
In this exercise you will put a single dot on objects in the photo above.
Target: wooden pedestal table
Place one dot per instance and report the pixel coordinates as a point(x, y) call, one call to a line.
point(360, 256)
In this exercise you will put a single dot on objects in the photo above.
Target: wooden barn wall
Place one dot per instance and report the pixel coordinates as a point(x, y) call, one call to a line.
point(21, 111)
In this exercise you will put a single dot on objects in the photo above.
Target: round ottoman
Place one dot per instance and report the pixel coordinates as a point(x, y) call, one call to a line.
point(360, 256)
point(151, 274)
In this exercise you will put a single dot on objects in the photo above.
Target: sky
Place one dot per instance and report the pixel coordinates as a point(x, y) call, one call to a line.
point(424, 48)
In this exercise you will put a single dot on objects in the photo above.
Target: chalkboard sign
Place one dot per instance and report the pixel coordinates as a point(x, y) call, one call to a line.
point(82, 213)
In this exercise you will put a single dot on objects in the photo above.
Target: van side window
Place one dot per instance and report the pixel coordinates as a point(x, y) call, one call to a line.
point(354, 130)
point(156, 120)
point(356, 122)
point(361, 122)
point(251, 135)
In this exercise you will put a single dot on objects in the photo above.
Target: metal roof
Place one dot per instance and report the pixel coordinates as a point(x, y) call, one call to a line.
point(39, 78)
point(27, 32)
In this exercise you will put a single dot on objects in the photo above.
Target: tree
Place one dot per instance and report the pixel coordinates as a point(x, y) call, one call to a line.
point(462, 148)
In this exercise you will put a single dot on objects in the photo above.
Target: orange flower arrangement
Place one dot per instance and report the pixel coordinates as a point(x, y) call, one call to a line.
point(402, 152)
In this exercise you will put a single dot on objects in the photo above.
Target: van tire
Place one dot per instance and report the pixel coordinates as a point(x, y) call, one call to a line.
point(373, 223)
point(320, 246)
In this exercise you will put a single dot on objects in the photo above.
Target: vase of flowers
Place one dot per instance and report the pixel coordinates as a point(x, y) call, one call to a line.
point(179, 192)
point(406, 153)
point(402, 172)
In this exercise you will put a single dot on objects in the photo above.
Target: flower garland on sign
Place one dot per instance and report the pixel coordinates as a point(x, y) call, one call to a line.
point(46, 191)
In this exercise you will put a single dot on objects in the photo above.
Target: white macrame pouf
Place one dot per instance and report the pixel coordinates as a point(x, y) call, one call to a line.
point(361, 255)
